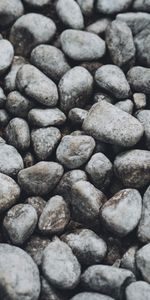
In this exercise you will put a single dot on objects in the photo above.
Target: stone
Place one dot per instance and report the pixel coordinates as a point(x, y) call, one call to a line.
point(139, 79)
point(100, 170)
point(10, 160)
point(103, 97)
point(77, 116)
point(55, 216)
point(50, 60)
point(142, 44)
point(28, 159)
point(141, 5)
point(20, 222)
point(33, 83)
point(112, 79)
point(133, 168)
point(120, 44)
point(91, 296)
point(38, 203)
point(4, 118)
point(17, 264)
point(105, 7)
point(121, 213)
point(99, 26)
point(9, 192)
point(2, 98)
point(10, 11)
point(60, 266)
point(139, 100)
point(44, 141)
point(143, 228)
point(35, 247)
point(143, 262)
point(40, 117)
point(72, 16)
point(128, 260)
point(74, 151)
point(82, 46)
point(138, 290)
point(48, 292)
point(107, 280)
point(31, 30)
point(75, 88)
point(144, 117)
point(87, 246)
point(65, 184)
point(86, 201)
point(17, 134)
point(41, 178)
point(18, 105)
point(125, 105)
point(87, 6)
point(37, 3)
point(6, 55)
point(107, 123)
point(136, 21)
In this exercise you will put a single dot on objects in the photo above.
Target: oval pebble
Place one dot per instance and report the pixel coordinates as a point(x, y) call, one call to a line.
point(139, 79)
point(72, 16)
point(6, 55)
point(138, 290)
point(17, 134)
point(10, 160)
point(39, 117)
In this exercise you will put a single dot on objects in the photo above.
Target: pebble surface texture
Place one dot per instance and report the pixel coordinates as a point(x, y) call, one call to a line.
point(74, 150)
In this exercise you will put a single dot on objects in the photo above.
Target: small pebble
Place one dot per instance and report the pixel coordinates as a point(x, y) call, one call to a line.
point(139, 79)
point(143, 262)
point(72, 16)
point(113, 7)
point(9, 192)
point(136, 21)
point(144, 225)
point(125, 105)
point(35, 247)
point(10, 160)
point(138, 290)
point(6, 55)
point(18, 105)
point(10, 11)
point(139, 100)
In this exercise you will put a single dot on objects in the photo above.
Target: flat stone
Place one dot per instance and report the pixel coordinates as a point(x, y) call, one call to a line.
point(125, 105)
point(17, 134)
point(6, 55)
point(60, 266)
point(143, 228)
point(35, 247)
point(112, 79)
point(10, 11)
point(136, 21)
point(107, 123)
point(72, 16)
point(144, 117)
point(38, 203)
point(133, 168)
point(105, 7)
point(121, 214)
point(87, 6)
point(138, 290)
point(18, 105)
point(87, 246)
point(29, 31)
point(74, 151)
point(9, 192)
point(39, 117)
point(91, 296)
point(10, 160)
point(33, 83)
point(41, 178)
point(143, 262)
point(75, 88)
point(82, 46)
point(141, 5)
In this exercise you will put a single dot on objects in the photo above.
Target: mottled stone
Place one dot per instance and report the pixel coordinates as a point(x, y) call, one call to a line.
point(39, 117)
point(125, 105)
point(18, 105)
point(35, 247)
point(142, 44)
point(77, 116)
point(99, 26)
point(38, 203)
point(144, 225)
point(136, 21)
point(10, 11)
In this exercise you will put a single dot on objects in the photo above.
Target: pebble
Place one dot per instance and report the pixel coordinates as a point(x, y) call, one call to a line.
point(4, 118)
point(50, 60)
point(33, 83)
point(39, 117)
point(87, 246)
point(6, 55)
point(120, 44)
point(17, 134)
point(72, 16)
point(44, 141)
point(136, 21)
point(99, 26)
point(38, 203)
point(105, 7)
point(29, 31)
point(18, 105)
point(107, 280)
point(2, 98)
point(9, 192)
point(86, 201)
point(75, 88)
point(10, 11)
point(100, 170)
point(91, 296)
point(41, 178)
point(48, 292)
point(133, 168)
point(138, 78)
point(141, 5)
point(128, 260)
point(121, 214)
point(35, 247)
point(112, 79)
point(142, 44)
point(109, 124)
point(65, 184)
point(82, 46)
point(60, 266)
point(144, 117)
point(87, 6)
point(143, 228)
point(37, 3)
point(20, 222)
point(125, 105)
point(138, 290)
point(77, 116)
point(10, 79)
point(74, 151)
point(139, 100)
point(16, 264)
point(143, 262)
point(10, 160)
point(55, 216)
point(102, 96)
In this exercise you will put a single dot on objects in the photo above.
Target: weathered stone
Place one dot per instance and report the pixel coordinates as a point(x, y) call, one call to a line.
point(136, 21)
point(35, 247)
point(10, 160)
point(39, 117)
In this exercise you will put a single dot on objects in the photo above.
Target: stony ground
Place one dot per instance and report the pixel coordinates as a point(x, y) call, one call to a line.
point(75, 150)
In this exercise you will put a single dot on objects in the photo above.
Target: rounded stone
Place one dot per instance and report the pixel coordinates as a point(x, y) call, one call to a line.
point(143, 262)
point(31, 30)
point(91, 296)
point(74, 151)
point(60, 266)
point(18, 105)
point(121, 214)
point(9, 192)
point(133, 168)
point(72, 16)
point(113, 7)
point(136, 21)
point(81, 45)
point(16, 263)
point(139, 100)
point(48, 292)
point(128, 260)
point(99, 26)
point(40, 117)
point(144, 117)
point(75, 88)
point(10, 160)
point(144, 225)
point(20, 222)
point(125, 105)
point(35, 247)
point(10, 11)
point(139, 79)
point(33, 83)
point(138, 290)
point(6, 55)
point(41, 178)
point(17, 134)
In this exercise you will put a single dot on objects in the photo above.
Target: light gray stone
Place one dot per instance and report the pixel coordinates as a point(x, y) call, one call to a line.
point(6, 55)
point(136, 21)
point(10, 160)
point(144, 225)
point(139, 79)
point(125, 105)
point(87, 6)
point(77, 116)
point(99, 26)
point(128, 260)
point(72, 16)
point(37, 3)
point(10, 11)
point(113, 7)
point(91, 296)
point(9, 192)
point(35, 247)
point(139, 100)
point(17, 134)
point(103, 97)
point(138, 290)
point(18, 105)
point(143, 262)
point(39, 117)
point(141, 5)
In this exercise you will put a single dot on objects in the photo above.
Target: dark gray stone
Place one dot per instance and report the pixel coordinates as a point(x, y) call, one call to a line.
point(38, 203)
point(77, 116)
point(18, 105)
point(4, 118)
point(35, 247)
point(2, 98)
point(144, 117)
